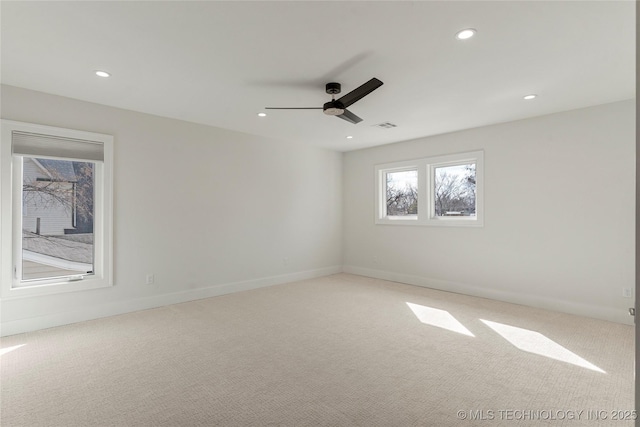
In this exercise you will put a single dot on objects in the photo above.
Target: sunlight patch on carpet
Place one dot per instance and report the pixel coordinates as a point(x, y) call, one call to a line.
point(535, 342)
point(438, 318)
point(4, 351)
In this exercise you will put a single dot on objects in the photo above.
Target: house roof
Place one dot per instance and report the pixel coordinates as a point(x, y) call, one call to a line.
point(219, 63)
point(65, 248)
point(59, 169)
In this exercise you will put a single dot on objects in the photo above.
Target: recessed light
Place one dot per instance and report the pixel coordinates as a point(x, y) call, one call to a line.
point(467, 33)
point(350, 137)
point(262, 114)
point(532, 96)
point(101, 73)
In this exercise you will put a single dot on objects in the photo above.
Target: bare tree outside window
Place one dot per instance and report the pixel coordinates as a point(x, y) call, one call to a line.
point(455, 190)
point(402, 193)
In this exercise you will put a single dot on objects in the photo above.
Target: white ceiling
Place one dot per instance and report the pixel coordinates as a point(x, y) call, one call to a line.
point(220, 63)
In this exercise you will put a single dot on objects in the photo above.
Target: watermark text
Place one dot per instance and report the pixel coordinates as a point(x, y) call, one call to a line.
point(546, 415)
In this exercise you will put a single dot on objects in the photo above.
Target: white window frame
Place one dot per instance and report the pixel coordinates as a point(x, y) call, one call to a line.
point(11, 223)
point(426, 199)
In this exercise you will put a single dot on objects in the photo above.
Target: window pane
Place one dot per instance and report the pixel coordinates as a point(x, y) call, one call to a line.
point(57, 218)
point(402, 193)
point(455, 190)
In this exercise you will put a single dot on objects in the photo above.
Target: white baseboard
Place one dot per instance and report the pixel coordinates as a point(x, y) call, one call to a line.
point(611, 314)
point(121, 307)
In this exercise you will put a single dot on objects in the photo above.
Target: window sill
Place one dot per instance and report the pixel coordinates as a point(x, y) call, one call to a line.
point(433, 222)
point(52, 287)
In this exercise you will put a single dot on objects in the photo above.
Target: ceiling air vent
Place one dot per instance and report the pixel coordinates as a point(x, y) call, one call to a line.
point(386, 125)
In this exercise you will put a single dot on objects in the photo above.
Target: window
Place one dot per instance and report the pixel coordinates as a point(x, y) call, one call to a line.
point(57, 237)
point(454, 190)
point(56, 209)
point(444, 190)
point(401, 193)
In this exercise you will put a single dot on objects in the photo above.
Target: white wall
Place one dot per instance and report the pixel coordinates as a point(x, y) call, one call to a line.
point(208, 211)
point(559, 215)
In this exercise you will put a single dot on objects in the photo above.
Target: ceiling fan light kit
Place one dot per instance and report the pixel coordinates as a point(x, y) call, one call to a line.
point(338, 107)
point(330, 109)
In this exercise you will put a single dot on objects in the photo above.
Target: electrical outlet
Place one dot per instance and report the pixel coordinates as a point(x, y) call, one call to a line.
point(627, 292)
point(150, 279)
point(285, 260)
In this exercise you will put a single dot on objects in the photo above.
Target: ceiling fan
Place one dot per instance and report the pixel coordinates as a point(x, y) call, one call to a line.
point(338, 107)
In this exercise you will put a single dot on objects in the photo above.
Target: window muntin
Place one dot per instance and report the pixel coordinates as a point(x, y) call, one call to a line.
point(447, 191)
point(73, 171)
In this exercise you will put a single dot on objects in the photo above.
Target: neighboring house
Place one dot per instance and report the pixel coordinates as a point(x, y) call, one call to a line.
point(49, 205)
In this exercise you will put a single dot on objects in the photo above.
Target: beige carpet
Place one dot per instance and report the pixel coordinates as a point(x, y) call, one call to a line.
point(342, 350)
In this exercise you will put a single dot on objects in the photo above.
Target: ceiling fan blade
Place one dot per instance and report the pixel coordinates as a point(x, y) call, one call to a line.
point(359, 92)
point(350, 117)
point(293, 108)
